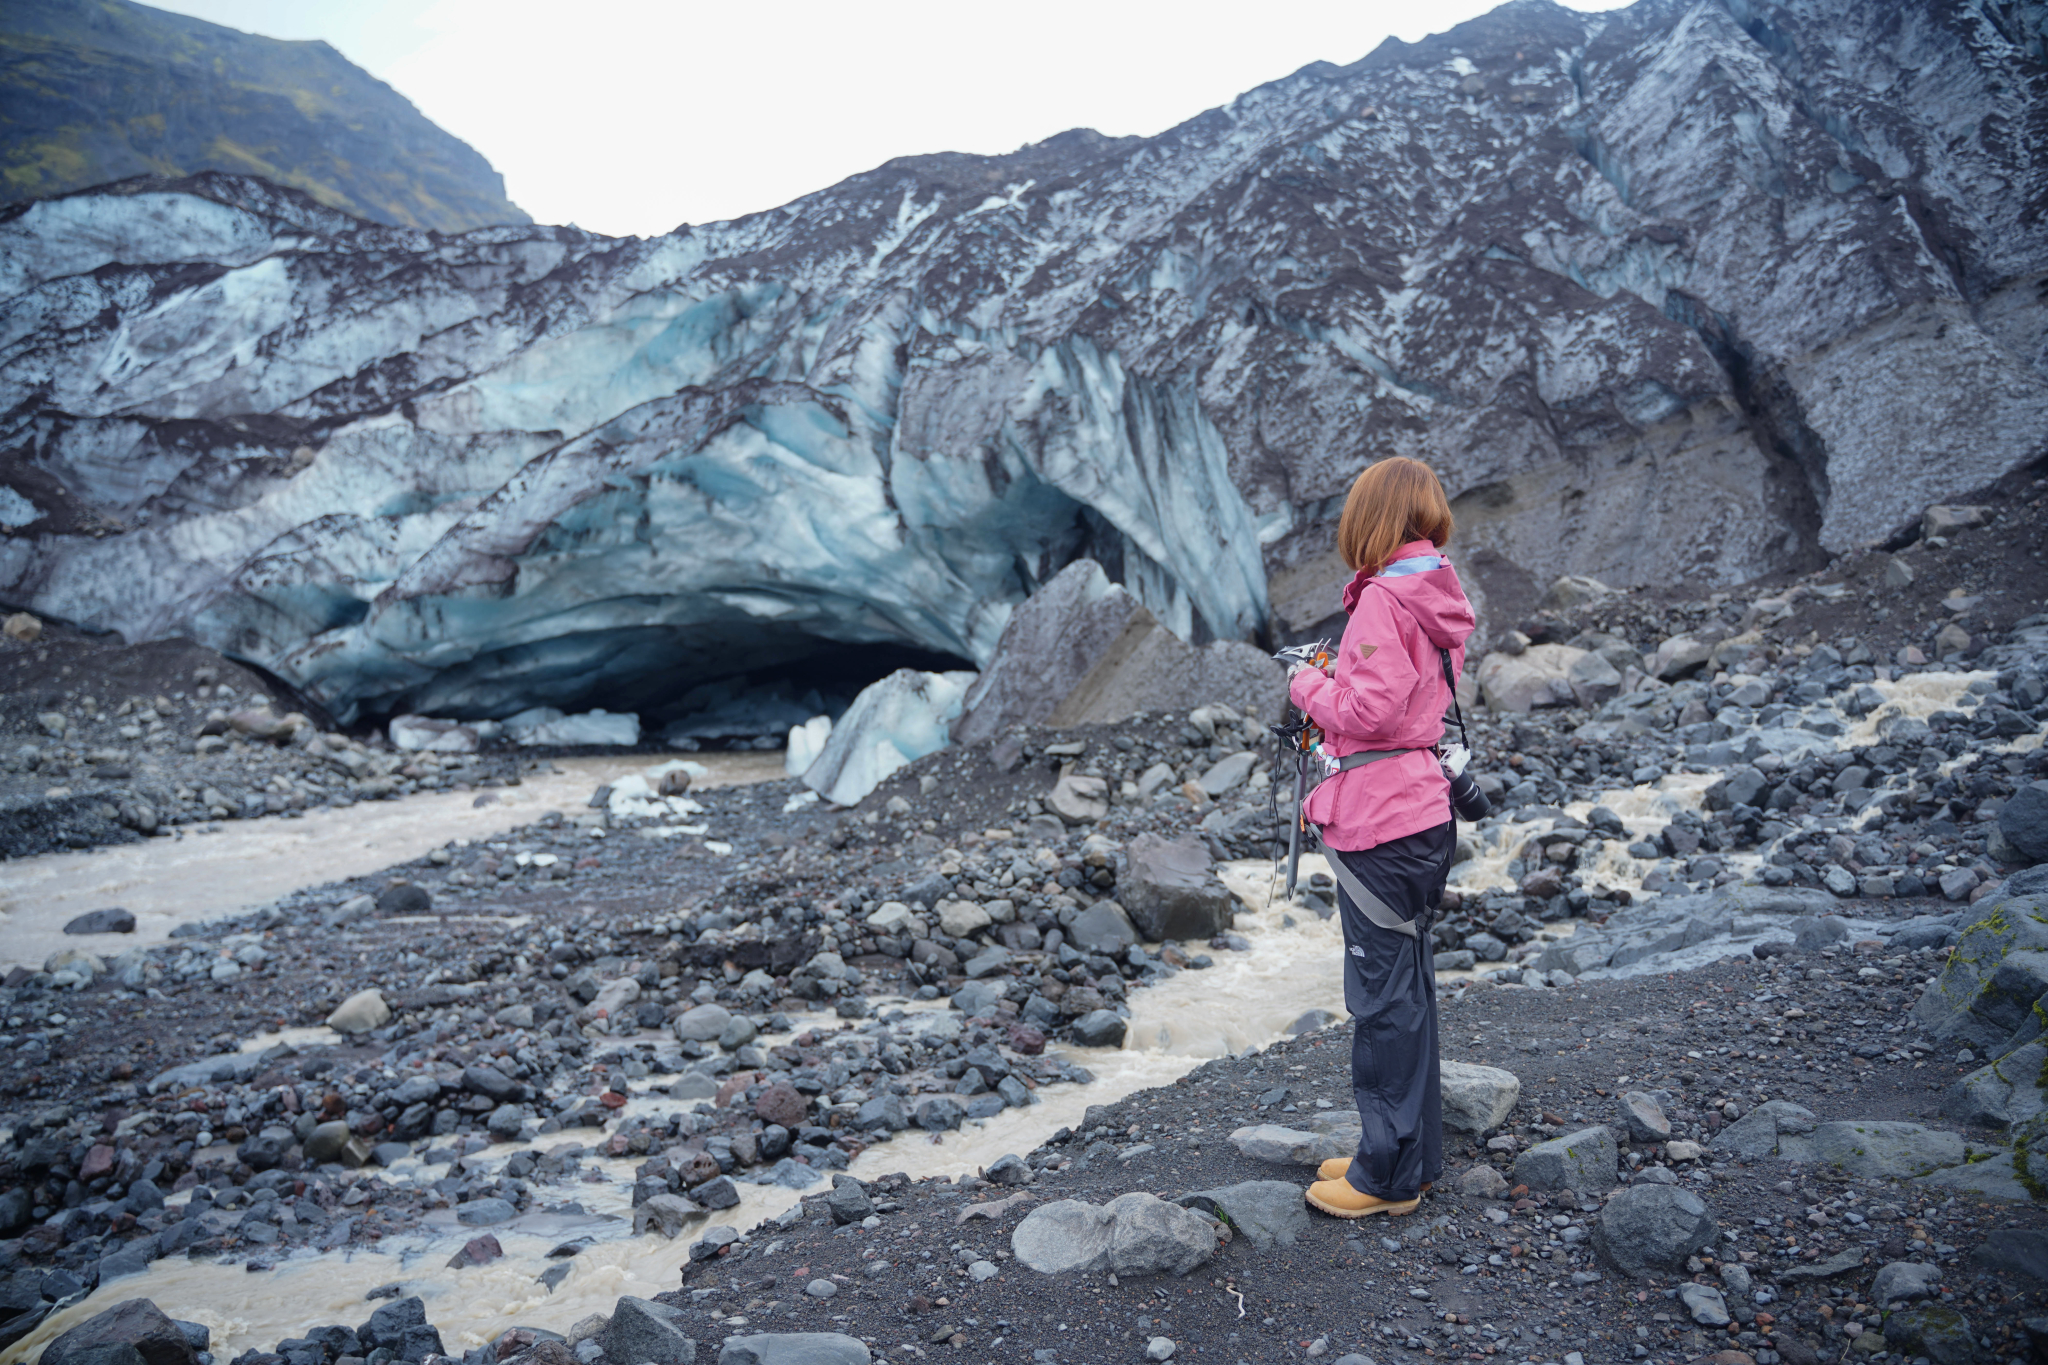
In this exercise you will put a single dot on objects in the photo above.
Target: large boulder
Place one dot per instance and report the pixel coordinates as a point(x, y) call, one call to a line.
point(1999, 969)
point(134, 1323)
point(1133, 1234)
point(1582, 1162)
point(1167, 889)
point(1540, 676)
point(1083, 650)
point(1876, 1148)
point(2023, 820)
point(1652, 1227)
point(642, 1330)
point(1477, 1099)
point(2006, 1091)
point(1104, 929)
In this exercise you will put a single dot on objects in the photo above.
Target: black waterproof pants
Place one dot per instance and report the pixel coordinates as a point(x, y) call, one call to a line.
point(1390, 990)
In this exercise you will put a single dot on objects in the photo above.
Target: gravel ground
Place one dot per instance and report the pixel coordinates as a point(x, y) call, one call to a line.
point(905, 1288)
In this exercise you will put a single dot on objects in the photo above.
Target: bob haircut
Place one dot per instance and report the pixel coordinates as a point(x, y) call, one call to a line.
point(1395, 501)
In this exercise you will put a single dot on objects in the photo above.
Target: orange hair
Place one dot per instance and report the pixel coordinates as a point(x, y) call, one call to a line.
point(1393, 502)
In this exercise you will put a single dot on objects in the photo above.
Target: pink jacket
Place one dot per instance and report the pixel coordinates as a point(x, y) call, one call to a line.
point(1386, 690)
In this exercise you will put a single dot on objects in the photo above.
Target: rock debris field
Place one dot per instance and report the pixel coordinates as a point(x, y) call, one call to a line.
point(1743, 1006)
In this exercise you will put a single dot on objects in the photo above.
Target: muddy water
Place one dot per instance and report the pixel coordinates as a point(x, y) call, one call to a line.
point(193, 875)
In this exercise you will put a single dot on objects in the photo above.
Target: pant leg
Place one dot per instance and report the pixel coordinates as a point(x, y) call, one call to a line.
point(1390, 990)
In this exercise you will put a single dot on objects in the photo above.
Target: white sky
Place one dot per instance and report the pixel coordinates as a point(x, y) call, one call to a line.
point(633, 116)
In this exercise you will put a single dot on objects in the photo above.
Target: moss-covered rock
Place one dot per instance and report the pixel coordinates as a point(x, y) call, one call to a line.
point(1939, 1333)
point(1998, 972)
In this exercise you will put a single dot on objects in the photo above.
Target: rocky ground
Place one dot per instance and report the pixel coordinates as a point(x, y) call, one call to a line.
point(1831, 814)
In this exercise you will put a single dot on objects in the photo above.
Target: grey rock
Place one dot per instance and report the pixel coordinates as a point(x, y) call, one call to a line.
point(1995, 1178)
point(111, 921)
point(1755, 1135)
point(849, 1202)
point(1227, 773)
point(2023, 820)
point(1477, 1099)
point(1811, 933)
point(1705, 1304)
point(1159, 1348)
point(667, 1214)
point(794, 1348)
point(361, 1012)
point(1652, 1227)
point(882, 1114)
point(1483, 1182)
point(2004, 1092)
point(1989, 984)
point(1285, 1146)
point(1133, 1234)
point(1169, 892)
point(821, 1289)
point(642, 1330)
point(1100, 1028)
point(703, 1024)
point(491, 1083)
point(326, 1142)
point(717, 1193)
point(1876, 1149)
point(135, 1323)
point(1842, 1262)
point(976, 998)
point(939, 1114)
point(1078, 800)
point(1904, 1280)
point(1146, 454)
point(1583, 1162)
point(1103, 929)
point(1267, 1212)
point(2021, 1251)
point(1644, 1118)
point(1935, 1331)
point(484, 1213)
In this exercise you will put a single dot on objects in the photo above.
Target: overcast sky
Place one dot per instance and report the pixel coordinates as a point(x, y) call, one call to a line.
point(633, 116)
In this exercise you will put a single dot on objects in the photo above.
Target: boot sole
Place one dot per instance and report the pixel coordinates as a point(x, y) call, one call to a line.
point(1391, 1210)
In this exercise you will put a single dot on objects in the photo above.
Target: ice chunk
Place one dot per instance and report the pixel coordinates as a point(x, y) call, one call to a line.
point(546, 725)
point(425, 734)
point(903, 717)
point(806, 742)
point(636, 795)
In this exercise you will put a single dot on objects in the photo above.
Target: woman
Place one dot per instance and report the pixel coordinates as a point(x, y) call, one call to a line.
point(1388, 818)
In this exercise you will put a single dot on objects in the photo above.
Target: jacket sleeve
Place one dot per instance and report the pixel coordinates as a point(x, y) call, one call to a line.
point(1367, 696)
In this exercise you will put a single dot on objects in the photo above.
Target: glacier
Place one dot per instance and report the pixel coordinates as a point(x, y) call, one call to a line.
point(1697, 288)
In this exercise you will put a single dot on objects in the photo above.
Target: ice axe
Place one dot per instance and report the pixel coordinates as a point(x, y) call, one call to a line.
point(1300, 735)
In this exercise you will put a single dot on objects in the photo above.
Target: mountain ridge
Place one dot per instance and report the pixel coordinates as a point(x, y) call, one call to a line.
point(98, 91)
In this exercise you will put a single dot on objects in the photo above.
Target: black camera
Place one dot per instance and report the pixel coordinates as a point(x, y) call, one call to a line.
point(1468, 800)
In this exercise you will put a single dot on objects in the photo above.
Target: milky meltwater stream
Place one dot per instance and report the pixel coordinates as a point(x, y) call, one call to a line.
point(192, 875)
point(1246, 1000)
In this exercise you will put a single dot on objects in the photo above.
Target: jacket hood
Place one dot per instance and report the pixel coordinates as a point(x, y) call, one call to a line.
point(1433, 597)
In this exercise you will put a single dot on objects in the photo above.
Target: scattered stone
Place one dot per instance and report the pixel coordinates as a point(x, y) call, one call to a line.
point(641, 1330)
point(1268, 1212)
point(1652, 1227)
point(1477, 1099)
point(1644, 1118)
point(110, 921)
point(1583, 1161)
point(794, 1348)
point(360, 1013)
point(1133, 1234)
point(1904, 1280)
